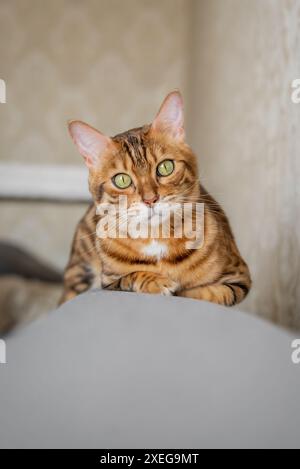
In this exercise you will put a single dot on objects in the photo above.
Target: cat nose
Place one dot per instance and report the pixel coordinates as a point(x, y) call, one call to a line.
point(150, 200)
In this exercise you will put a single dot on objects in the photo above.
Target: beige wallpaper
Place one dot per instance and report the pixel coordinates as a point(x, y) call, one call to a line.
point(110, 62)
point(247, 134)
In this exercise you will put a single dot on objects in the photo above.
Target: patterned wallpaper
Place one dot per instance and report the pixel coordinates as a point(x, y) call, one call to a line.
point(108, 62)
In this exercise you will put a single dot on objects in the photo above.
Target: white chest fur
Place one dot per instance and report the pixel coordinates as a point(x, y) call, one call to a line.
point(155, 249)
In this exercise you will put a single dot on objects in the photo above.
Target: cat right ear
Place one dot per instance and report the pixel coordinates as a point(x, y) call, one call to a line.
point(90, 142)
point(170, 119)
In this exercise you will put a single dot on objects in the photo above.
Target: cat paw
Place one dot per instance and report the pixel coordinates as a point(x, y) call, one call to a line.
point(159, 285)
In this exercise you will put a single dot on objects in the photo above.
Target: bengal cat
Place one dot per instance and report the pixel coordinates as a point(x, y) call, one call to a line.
point(152, 165)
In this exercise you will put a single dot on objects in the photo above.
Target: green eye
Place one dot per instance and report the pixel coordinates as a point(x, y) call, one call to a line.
point(122, 180)
point(165, 168)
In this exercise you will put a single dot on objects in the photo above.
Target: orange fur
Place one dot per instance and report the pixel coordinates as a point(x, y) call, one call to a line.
point(216, 272)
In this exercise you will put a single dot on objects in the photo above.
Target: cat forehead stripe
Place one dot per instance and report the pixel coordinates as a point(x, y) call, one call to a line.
point(135, 146)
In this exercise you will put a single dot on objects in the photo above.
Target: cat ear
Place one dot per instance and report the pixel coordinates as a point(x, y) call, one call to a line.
point(170, 119)
point(90, 142)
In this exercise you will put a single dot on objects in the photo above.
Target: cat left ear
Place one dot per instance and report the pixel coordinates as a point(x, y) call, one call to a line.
point(90, 142)
point(170, 118)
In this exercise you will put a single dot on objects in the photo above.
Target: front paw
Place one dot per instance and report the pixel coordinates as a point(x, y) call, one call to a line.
point(158, 285)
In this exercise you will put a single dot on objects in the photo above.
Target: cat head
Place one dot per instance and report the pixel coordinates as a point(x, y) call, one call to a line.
point(150, 165)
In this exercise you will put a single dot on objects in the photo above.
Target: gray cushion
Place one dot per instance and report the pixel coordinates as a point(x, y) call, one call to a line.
point(113, 369)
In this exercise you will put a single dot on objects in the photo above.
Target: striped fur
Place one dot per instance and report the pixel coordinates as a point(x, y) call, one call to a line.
point(215, 273)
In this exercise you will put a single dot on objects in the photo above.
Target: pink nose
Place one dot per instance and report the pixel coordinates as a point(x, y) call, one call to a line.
point(151, 201)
